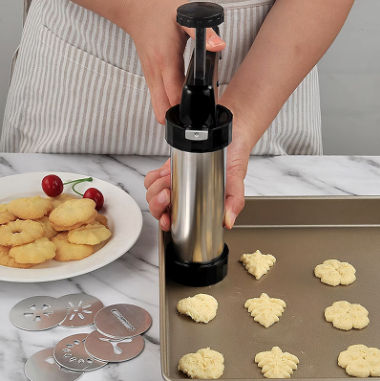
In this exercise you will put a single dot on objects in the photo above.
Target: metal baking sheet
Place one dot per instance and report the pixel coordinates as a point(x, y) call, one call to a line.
point(301, 232)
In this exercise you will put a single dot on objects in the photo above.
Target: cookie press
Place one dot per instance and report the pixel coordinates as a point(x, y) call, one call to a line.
point(198, 131)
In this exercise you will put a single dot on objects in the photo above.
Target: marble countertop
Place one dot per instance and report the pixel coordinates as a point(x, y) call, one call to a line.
point(134, 277)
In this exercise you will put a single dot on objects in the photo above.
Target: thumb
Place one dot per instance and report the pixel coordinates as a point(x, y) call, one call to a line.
point(237, 164)
point(234, 200)
point(213, 42)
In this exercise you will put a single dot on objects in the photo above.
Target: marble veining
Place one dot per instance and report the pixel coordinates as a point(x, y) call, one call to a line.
point(134, 277)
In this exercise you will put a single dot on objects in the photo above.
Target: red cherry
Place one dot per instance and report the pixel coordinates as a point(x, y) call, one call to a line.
point(95, 195)
point(52, 185)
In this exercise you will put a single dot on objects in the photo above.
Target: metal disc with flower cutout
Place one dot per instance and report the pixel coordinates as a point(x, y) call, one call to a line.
point(82, 309)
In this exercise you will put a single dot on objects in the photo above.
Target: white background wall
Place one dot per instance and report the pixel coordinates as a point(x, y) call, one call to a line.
point(350, 85)
point(349, 78)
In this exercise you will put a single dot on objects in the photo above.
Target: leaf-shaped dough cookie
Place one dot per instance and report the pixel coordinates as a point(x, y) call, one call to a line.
point(360, 361)
point(276, 363)
point(265, 310)
point(334, 272)
point(345, 315)
point(258, 264)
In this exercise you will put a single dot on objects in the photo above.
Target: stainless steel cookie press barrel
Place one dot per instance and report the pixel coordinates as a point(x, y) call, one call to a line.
point(198, 131)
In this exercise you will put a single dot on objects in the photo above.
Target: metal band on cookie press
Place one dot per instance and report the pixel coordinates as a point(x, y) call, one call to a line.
point(81, 309)
point(119, 321)
point(70, 354)
point(107, 349)
point(42, 367)
point(38, 313)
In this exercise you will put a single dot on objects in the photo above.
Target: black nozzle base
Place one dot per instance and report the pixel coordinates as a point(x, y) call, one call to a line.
point(195, 274)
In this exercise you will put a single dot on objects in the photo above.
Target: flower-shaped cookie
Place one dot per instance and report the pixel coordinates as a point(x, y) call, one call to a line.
point(91, 234)
point(67, 251)
point(8, 261)
point(73, 214)
point(360, 361)
point(60, 199)
point(265, 310)
point(49, 232)
point(5, 215)
point(30, 208)
point(345, 315)
point(20, 232)
point(201, 308)
point(39, 251)
point(204, 364)
point(334, 272)
point(257, 264)
point(276, 363)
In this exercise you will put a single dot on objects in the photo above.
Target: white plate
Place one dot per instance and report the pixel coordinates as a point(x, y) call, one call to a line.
point(124, 220)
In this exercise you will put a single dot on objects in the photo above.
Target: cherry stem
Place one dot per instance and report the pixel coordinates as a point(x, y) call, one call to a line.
point(76, 182)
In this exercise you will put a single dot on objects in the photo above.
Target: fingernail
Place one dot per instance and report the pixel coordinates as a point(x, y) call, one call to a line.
point(163, 197)
point(165, 172)
point(214, 41)
point(232, 219)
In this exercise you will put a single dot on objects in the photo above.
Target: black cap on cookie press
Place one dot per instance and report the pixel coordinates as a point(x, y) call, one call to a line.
point(198, 124)
point(200, 14)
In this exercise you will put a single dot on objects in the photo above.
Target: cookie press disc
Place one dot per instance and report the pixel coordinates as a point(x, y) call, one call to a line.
point(38, 313)
point(70, 354)
point(106, 349)
point(82, 309)
point(119, 321)
point(42, 367)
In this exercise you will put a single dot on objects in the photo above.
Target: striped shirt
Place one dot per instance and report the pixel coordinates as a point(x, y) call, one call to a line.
point(78, 86)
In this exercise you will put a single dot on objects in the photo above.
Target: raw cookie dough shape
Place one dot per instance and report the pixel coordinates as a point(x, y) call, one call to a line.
point(265, 310)
point(201, 308)
point(276, 363)
point(334, 272)
point(344, 315)
point(257, 264)
point(204, 364)
point(360, 361)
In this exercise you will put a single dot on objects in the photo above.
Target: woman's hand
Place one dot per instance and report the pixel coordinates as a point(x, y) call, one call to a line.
point(157, 182)
point(160, 44)
point(158, 186)
point(237, 162)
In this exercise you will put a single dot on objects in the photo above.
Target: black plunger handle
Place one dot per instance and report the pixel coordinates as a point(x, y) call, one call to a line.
point(200, 15)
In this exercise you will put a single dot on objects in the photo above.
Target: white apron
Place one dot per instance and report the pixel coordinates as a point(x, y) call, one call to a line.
point(78, 87)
